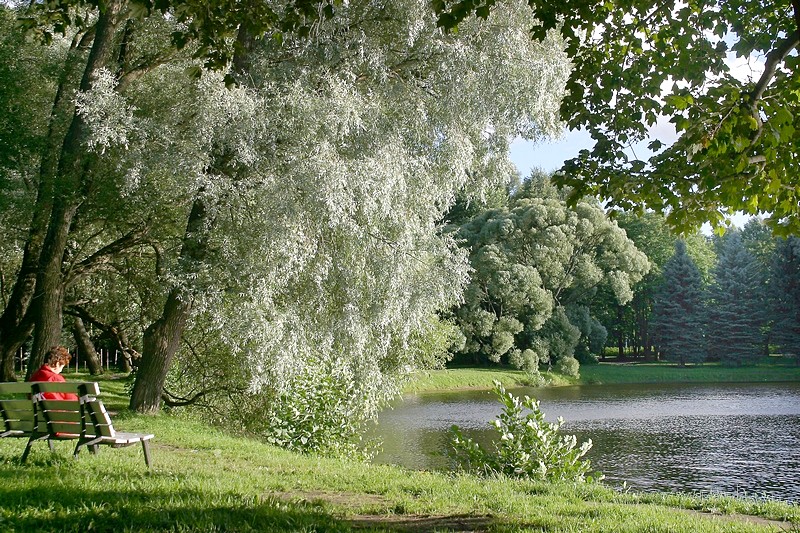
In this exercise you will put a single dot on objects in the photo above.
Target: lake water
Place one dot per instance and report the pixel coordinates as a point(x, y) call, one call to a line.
point(741, 439)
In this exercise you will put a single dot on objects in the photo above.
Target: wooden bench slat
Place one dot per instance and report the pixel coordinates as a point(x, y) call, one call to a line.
point(15, 387)
point(63, 427)
point(24, 414)
point(60, 406)
point(67, 386)
point(20, 425)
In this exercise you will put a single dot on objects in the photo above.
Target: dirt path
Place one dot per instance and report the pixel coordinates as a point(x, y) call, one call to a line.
point(415, 523)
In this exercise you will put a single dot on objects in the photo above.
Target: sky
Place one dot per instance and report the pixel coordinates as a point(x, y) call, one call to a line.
point(549, 156)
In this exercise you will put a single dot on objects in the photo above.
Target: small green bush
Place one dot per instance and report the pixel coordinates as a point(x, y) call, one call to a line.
point(528, 447)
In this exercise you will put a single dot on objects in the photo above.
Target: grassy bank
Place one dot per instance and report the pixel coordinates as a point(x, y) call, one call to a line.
point(770, 369)
point(206, 480)
point(478, 378)
point(778, 370)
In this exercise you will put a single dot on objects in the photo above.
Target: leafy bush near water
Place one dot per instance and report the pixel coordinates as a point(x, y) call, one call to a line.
point(528, 447)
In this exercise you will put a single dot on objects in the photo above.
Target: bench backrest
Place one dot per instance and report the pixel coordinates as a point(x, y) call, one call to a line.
point(25, 409)
point(16, 408)
point(86, 416)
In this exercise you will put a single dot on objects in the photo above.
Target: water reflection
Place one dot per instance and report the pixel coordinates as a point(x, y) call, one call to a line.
point(731, 438)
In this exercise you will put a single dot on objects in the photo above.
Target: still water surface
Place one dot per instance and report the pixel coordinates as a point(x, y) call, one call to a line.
point(739, 439)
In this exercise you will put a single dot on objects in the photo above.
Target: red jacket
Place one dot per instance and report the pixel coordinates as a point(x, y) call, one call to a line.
point(45, 374)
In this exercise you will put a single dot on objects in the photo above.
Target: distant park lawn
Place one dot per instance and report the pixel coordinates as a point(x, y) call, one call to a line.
point(768, 369)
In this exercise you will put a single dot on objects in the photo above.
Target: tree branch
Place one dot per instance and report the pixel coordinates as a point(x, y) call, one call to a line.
point(134, 237)
point(120, 338)
point(173, 400)
point(774, 58)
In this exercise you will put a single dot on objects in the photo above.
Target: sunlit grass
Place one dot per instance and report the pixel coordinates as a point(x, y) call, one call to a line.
point(773, 369)
point(769, 370)
point(479, 378)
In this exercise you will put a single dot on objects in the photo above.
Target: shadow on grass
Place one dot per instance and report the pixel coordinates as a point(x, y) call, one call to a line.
point(41, 502)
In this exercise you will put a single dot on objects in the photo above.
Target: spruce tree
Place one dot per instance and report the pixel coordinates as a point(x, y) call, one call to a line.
point(678, 310)
point(786, 297)
point(734, 311)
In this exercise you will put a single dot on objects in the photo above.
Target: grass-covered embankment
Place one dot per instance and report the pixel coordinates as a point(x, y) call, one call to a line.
point(204, 479)
point(772, 369)
point(478, 378)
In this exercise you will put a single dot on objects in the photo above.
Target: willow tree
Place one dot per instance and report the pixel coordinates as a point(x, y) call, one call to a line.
point(321, 191)
point(537, 267)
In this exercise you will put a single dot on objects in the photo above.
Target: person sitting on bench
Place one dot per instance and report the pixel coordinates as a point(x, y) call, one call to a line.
point(57, 358)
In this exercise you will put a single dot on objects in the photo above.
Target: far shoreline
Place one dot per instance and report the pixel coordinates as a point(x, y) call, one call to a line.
point(774, 369)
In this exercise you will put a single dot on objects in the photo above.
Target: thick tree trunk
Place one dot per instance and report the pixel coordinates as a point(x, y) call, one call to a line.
point(86, 347)
point(161, 341)
point(16, 322)
point(68, 193)
point(162, 338)
point(49, 297)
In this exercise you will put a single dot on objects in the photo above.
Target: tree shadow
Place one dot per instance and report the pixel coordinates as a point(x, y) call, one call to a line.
point(44, 503)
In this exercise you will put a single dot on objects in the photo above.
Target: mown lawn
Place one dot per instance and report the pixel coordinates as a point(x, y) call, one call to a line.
point(772, 369)
point(204, 479)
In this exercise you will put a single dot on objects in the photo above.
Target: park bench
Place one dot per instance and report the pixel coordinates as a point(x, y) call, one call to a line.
point(29, 414)
point(17, 410)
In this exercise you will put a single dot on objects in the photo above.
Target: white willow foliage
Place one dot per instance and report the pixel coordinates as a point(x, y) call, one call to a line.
point(107, 114)
point(374, 147)
point(331, 167)
point(533, 262)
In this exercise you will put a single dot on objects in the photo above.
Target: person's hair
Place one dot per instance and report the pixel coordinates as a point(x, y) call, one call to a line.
point(57, 354)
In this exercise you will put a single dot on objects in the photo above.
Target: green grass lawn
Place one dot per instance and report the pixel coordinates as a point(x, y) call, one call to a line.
point(204, 479)
point(768, 369)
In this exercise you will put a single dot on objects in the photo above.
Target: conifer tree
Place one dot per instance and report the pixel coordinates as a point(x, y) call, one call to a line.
point(679, 310)
point(786, 297)
point(735, 316)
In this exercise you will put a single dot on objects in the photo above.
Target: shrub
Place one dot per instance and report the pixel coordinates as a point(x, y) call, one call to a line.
point(528, 447)
point(318, 412)
point(569, 366)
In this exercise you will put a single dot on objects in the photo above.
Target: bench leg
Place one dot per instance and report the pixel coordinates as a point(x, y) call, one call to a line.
point(50, 443)
point(146, 448)
point(27, 451)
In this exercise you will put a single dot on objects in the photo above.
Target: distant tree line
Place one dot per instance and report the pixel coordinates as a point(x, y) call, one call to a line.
point(748, 308)
point(554, 286)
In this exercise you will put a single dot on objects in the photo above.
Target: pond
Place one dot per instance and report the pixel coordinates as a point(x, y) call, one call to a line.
point(740, 439)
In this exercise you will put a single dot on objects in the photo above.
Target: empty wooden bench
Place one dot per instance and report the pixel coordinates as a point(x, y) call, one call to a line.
point(85, 420)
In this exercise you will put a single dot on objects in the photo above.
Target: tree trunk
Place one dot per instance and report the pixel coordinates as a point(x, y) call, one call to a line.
point(620, 334)
point(16, 322)
point(86, 347)
point(161, 341)
point(49, 296)
point(68, 191)
point(162, 338)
